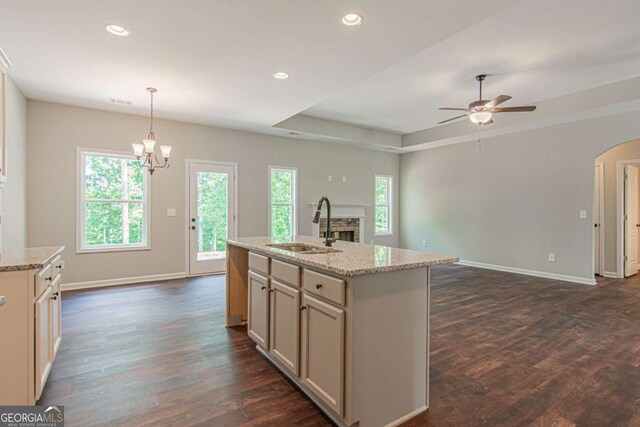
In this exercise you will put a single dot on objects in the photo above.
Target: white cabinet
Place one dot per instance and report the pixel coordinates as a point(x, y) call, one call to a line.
point(30, 328)
point(285, 325)
point(323, 351)
point(43, 339)
point(258, 322)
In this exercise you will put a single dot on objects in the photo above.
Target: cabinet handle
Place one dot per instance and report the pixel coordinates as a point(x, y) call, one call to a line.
point(49, 279)
point(54, 297)
point(270, 291)
point(55, 294)
point(59, 266)
point(3, 301)
point(263, 288)
point(318, 285)
point(303, 307)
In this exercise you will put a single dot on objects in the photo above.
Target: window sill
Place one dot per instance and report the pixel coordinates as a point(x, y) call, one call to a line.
point(113, 249)
point(382, 234)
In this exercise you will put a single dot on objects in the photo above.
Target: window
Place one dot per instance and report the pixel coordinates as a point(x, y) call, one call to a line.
point(113, 210)
point(282, 201)
point(383, 205)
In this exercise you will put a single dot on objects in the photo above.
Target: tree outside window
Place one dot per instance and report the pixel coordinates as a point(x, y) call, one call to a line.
point(282, 194)
point(383, 205)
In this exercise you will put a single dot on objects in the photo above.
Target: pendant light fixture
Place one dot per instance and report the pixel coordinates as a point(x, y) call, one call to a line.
point(147, 148)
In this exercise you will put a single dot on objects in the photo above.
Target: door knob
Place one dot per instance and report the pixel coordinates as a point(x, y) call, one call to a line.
point(193, 220)
point(193, 227)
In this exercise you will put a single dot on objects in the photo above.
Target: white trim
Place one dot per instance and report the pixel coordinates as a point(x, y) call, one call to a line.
point(600, 230)
point(122, 281)
point(5, 62)
point(294, 202)
point(80, 217)
point(407, 417)
point(187, 205)
point(610, 274)
point(564, 278)
point(620, 165)
point(389, 205)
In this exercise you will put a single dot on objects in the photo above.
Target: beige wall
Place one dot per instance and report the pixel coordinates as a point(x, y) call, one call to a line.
point(56, 130)
point(627, 151)
point(14, 196)
point(513, 201)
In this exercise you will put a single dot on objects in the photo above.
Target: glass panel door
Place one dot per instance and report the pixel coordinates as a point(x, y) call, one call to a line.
point(212, 216)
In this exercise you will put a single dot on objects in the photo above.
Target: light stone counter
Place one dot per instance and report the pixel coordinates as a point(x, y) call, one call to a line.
point(27, 258)
point(353, 259)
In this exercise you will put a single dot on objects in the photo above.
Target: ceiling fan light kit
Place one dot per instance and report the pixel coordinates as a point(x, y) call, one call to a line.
point(481, 111)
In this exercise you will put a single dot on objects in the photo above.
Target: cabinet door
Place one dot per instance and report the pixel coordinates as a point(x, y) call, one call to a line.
point(285, 325)
point(56, 317)
point(259, 309)
point(323, 351)
point(43, 308)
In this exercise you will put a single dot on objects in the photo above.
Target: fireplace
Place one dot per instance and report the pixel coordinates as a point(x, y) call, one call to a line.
point(347, 229)
point(347, 222)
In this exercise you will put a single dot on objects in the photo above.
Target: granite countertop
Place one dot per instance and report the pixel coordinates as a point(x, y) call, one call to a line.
point(354, 259)
point(27, 258)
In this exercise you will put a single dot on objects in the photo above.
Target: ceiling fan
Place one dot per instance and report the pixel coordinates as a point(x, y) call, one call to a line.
point(481, 111)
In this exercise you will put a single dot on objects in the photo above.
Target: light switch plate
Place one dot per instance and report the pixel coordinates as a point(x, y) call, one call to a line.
point(552, 257)
point(344, 179)
point(583, 214)
point(171, 212)
point(329, 178)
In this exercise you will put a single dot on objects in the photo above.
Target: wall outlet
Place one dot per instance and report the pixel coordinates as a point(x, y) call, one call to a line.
point(583, 214)
point(552, 257)
point(329, 178)
point(344, 179)
point(424, 243)
point(171, 212)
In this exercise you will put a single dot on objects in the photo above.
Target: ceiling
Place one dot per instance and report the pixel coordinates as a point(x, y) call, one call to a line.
point(213, 61)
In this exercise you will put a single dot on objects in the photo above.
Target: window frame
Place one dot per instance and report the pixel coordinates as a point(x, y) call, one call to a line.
point(294, 197)
point(81, 218)
point(389, 205)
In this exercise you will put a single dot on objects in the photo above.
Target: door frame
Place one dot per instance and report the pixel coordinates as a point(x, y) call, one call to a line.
point(187, 206)
point(620, 165)
point(599, 206)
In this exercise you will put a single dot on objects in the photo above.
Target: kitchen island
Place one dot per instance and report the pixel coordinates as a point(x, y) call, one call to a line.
point(348, 324)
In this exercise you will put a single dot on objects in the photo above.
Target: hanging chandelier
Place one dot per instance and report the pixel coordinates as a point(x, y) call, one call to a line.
point(147, 148)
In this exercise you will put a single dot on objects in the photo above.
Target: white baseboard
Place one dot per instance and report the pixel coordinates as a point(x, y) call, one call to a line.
point(610, 274)
point(573, 279)
point(122, 281)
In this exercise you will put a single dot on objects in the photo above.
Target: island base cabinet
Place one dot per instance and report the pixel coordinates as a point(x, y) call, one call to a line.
point(323, 328)
point(258, 322)
point(56, 318)
point(285, 326)
point(44, 359)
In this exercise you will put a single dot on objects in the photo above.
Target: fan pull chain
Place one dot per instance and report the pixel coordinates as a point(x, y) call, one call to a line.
point(479, 134)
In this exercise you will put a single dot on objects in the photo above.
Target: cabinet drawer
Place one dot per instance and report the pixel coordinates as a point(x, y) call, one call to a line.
point(259, 263)
point(324, 286)
point(285, 272)
point(56, 266)
point(43, 279)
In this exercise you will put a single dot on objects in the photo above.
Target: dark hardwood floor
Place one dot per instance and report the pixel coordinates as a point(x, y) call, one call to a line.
point(507, 350)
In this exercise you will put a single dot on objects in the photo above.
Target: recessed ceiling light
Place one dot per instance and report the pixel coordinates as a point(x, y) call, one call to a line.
point(281, 75)
point(117, 30)
point(352, 19)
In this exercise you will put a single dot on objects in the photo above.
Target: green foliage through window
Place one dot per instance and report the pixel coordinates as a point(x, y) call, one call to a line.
point(113, 201)
point(383, 205)
point(213, 201)
point(283, 182)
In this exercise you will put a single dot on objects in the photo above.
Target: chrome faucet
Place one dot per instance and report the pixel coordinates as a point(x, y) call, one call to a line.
point(328, 241)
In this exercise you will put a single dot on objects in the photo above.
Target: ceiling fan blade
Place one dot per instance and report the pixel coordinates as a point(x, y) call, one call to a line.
point(452, 109)
point(454, 118)
point(515, 109)
point(497, 101)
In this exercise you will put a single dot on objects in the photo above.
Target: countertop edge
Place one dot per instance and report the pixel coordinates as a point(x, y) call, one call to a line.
point(32, 266)
point(345, 273)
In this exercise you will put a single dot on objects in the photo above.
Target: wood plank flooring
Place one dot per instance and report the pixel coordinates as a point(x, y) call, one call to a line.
point(507, 350)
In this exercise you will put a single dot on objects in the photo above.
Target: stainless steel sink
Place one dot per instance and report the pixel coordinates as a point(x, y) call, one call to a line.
point(302, 248)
